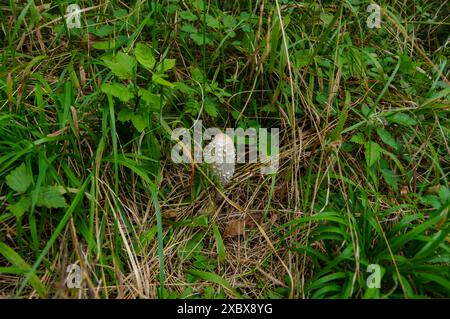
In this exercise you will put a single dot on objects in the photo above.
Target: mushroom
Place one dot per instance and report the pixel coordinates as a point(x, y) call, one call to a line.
point(220, 154)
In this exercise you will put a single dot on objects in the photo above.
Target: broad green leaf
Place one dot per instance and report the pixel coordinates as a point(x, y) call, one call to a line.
point(387, 138)
point(117, 90)
point(188, 15)
point(144, 55)
point(139, 122)
point(122, 65)
point(165, 65)
point(373, 153)
point(50, 197)
point(125, 114)
point(189, 28)
point(21, 206)
point(401, 119)
point(210, 107)
point(212, 22)
point(199, 39)
point(150, 98)
point(390, 178)
point(19, 179)
point(158, 79)
point(229, 21)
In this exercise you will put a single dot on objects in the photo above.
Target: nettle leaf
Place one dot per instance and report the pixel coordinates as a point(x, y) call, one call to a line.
point(210, 107)
point(19, 179)
point(150, 98)
point(122, 65)
point(139, 122)
point(387, 138)
point(373, 153)
point(158, 79)
point(125, 114)
point(50, 197)
point(189, 28)
point(144, 55)
point(21, 206)
point(165, 65)
point(402, 119)
point(188, 15)
point(212, 22)
point(199, 40)
point(117, 90)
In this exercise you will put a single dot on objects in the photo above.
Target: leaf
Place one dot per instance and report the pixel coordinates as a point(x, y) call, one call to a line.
point(138, 122)
point(165, 65)
point(122, 65)
point(117, 90)
point(387, 138)
point(188, 15)
point(150, 98)
point(193, 247)
point(158, 79)
point(390, 178)
point(210, 107)
point(229, 21)
point(189, 28)
point(19, 179)
point(17, 261)
point(50, 197)
point(402, 119)
point(219, 243)
point(20, 207)
point(373, 153)
point(125, 114)
point(199, 40)
point(214, 278)
point(212, 22)
point(144, 56)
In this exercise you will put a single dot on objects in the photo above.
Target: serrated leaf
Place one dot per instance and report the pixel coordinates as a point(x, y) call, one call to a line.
point(144, 55)
point(402, 119)
point(150, 98)
point(122, 65)
point(199, 40)
point(156, 78)
point(189, 28)
point(373, 153)
point(212, 22)
point(188, 15)
point(139, 122)
point(210, 107)
point(19, 179)
point(229, 21)
point(21, 206)
point(117, 90)
point(165, 65)
point(50, 197)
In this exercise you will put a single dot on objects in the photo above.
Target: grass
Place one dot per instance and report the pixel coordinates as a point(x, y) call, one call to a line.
point(86, 175)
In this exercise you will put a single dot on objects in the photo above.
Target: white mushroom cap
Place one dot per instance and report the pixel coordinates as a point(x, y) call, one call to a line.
point(223, 157)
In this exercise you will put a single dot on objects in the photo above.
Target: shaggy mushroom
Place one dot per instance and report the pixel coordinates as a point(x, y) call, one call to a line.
point(220, 155)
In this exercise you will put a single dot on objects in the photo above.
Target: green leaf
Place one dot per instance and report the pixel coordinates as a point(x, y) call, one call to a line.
point(19, 179)
point(125, 114)
point(117, 90)
point(165, 65)
point(212, 22)
point(150, 98)
point(221, 252)
point(387, 138)
point(199, 40)
point(214, 278)
point(229, 21)
point(189, 28)
point(18, 262)
point(122, 65)
point(373, 153)
point(139, 122)
point(158, 79)
point(390, 178)
point(144, 56)
point(210, 107)
point(20, 207)
point(402, 119)
point(188, 15)
point(50, 197)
